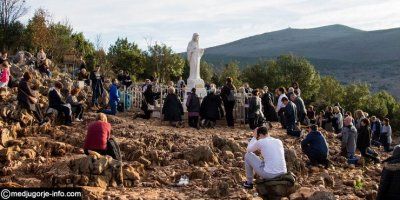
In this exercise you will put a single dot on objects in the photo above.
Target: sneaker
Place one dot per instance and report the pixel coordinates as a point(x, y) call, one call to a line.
point(248, 186)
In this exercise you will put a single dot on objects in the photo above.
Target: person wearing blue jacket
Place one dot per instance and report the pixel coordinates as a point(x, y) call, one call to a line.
point(114, 98)
point(315, 147)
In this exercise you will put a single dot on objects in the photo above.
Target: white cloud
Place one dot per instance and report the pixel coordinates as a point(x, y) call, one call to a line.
point(217, 21)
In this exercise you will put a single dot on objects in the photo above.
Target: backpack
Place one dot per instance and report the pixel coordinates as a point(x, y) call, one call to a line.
point(114, 148)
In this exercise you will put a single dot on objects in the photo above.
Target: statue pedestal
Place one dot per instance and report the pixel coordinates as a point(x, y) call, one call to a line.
point(199, 85)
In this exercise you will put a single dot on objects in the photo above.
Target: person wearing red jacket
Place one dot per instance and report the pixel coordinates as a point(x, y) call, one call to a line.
point(98, 133)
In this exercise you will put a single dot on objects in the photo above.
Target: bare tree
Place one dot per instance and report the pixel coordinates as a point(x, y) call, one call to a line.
point(98, 42)
point(10, 12)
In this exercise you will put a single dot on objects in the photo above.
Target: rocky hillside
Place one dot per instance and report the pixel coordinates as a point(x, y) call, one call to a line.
point(155, 156)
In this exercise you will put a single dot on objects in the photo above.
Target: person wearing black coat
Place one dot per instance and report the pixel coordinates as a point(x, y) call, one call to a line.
point(267, 101)
point(376, 130)
point(228, 96)
point(211, 107)
point(97, 87)
point(57, 103)
point(256, 116)
point(390, 178)
point(172, 109)
point(149, 99)
point(290, 114)
point(26, 98)
point(193, 108)
point(364, 141)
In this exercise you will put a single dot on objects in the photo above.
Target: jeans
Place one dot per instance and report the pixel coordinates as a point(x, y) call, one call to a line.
point(254, 164)
point(113, 106)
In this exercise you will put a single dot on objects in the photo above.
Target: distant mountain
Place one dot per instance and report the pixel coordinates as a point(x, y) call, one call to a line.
point(329, 48)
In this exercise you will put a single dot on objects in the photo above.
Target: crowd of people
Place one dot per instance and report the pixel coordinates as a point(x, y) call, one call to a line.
point(357, 131)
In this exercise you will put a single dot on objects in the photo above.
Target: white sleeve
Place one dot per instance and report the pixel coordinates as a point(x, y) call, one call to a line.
point(252, 145)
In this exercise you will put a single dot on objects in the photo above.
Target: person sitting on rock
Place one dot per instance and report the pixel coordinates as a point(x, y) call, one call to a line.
point(290, 114)
point(27, 100)
point(390, 178)
point(272, 151)
point(315, 147)
point(114, 98)
point(211, 109)
point(76, 106)
point(311, 118)
point(193, 108)
point(5, 74)
point(56, 102)
point(349, 135)
point(98, 138)
point(148, 102)
point(41, 57)
point(172, 109)
point(364, 141)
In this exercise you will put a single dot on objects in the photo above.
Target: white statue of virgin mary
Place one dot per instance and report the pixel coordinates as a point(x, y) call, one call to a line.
point(194, 54)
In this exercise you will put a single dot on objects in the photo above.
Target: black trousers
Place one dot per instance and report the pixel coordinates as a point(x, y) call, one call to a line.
point(194, 121)
point(77, 111)
point(229, 105)
point(290, 128)
point(315, 157)
point(365, 153)
point(66, 111)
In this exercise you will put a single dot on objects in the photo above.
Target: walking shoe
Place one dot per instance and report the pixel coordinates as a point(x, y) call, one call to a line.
point(248, 186)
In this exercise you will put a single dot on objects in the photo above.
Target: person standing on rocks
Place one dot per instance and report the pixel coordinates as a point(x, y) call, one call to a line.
point(193, 108)
point(364, 141)
point(256, 116)
point(27, 100)
point(272, 151)
point(56, 102)
point(337, 120)
point(114, 98)
point(290, 115)
point(376, 130)
point(267, 101)
point(228, 96)
point(386, 135)
point(315, 147)
point(349, 138)
point(97, 87)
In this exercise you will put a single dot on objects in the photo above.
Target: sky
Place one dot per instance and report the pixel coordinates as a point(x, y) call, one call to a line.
point(217, 21)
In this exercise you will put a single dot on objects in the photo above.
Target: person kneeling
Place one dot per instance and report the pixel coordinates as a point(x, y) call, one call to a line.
point(99, 139)
point(315, 147)
point(272, 151)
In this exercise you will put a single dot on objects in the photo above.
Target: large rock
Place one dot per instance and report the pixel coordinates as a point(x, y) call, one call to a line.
point(293, 163)
point(201, 154)
point(226, 144)
point(322, 195)
point(5, 136)
point(130, 173)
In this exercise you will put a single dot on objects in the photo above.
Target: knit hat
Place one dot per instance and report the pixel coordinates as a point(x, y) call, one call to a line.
point(396, 151)
point(348, 121)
